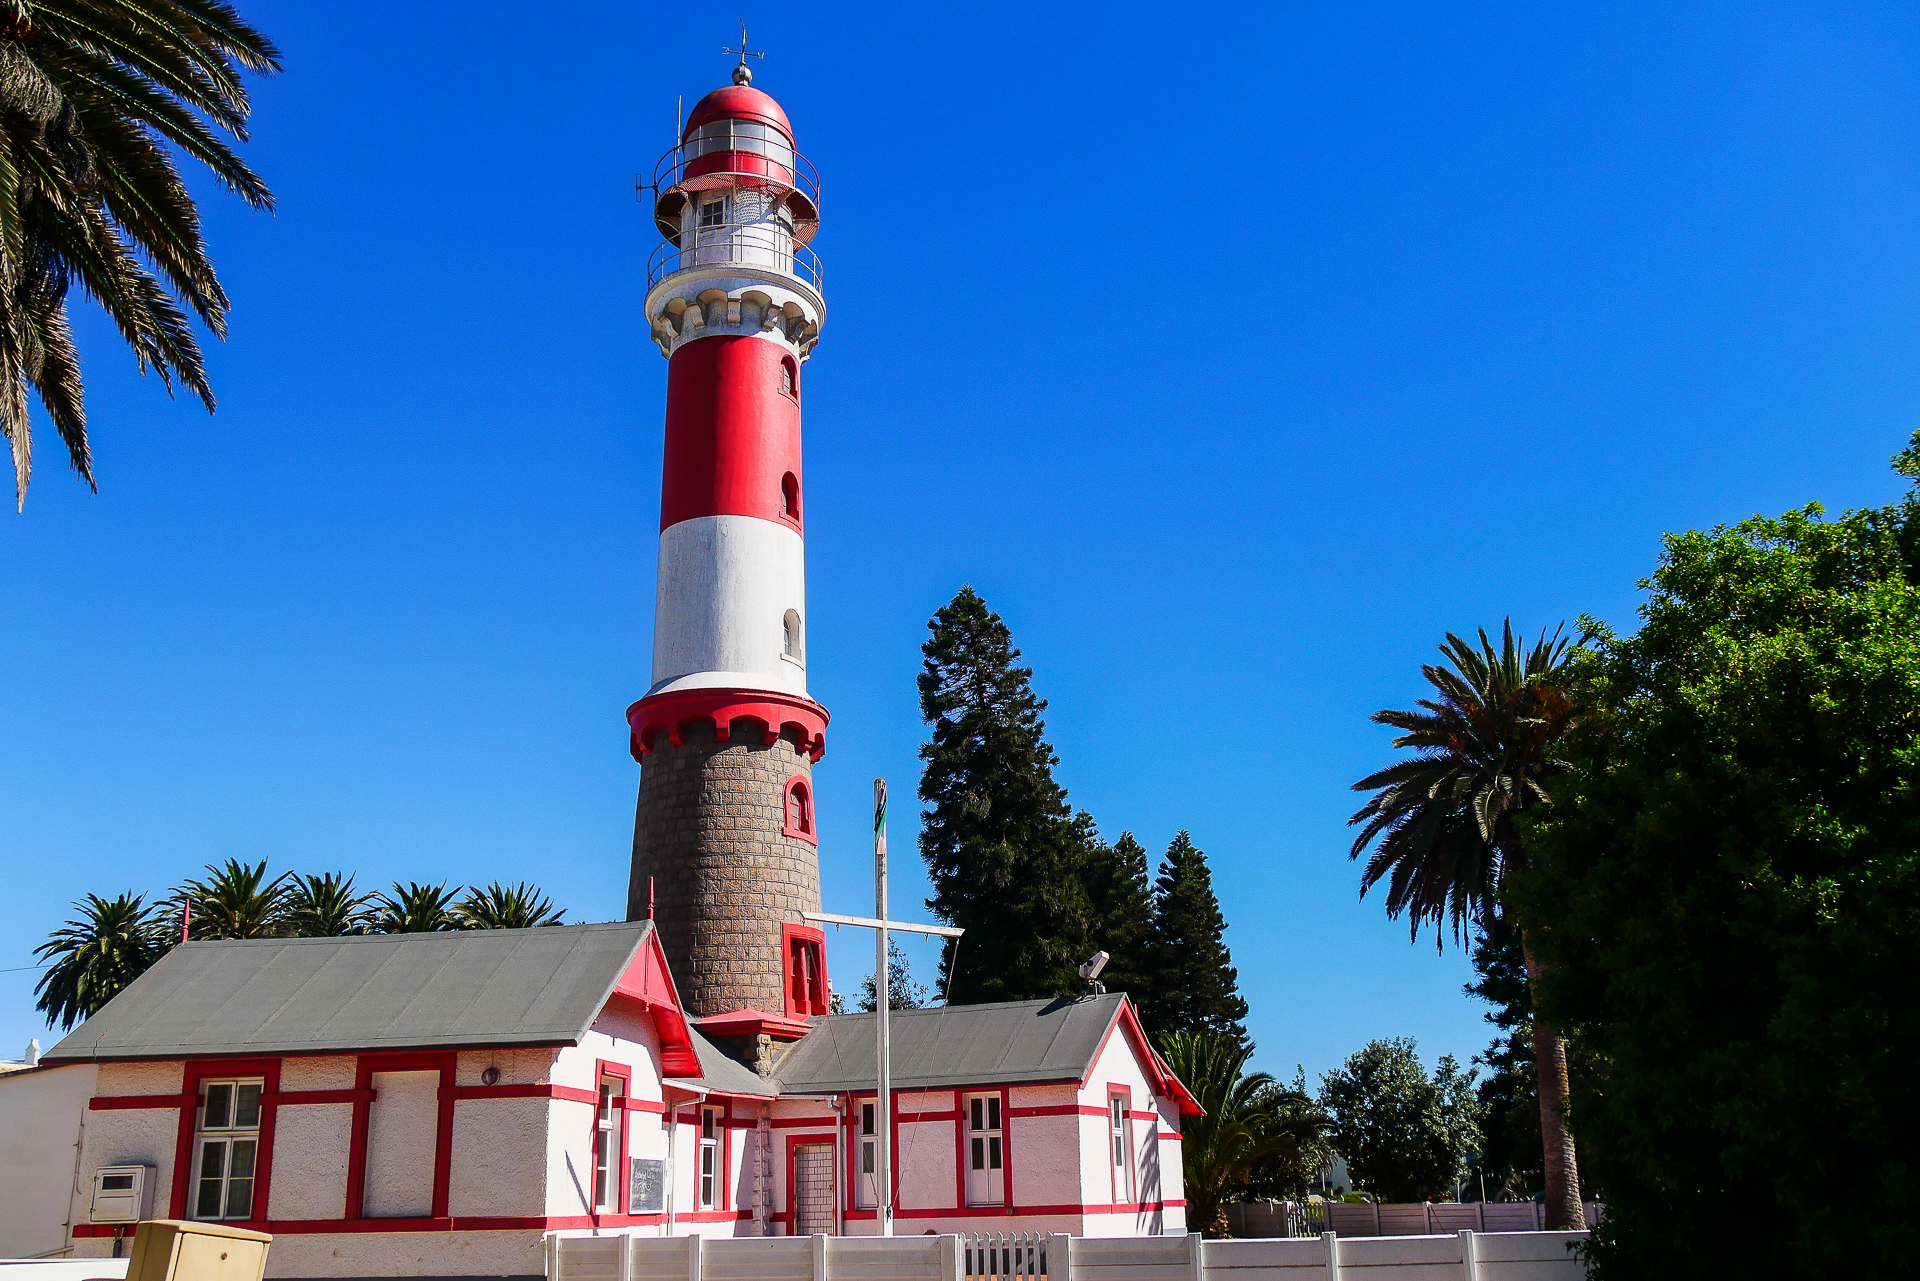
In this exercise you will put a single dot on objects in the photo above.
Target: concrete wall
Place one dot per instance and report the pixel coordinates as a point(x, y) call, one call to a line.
point(41, 1114)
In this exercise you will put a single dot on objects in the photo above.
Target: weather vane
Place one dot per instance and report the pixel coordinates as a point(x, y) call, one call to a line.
point(741, 75)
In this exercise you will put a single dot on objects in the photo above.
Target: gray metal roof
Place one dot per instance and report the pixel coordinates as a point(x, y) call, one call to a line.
point(955, 1045)
point(376, 992)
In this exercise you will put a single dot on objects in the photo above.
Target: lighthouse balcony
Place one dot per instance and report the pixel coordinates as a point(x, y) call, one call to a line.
point(758, 243)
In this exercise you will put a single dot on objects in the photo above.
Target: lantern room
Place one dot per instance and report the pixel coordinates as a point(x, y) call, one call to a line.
point(736, 191)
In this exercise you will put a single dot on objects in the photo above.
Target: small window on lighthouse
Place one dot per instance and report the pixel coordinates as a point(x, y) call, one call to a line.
point(713, 213)
point(792, 625)
point(786, 378)
point(790, 497)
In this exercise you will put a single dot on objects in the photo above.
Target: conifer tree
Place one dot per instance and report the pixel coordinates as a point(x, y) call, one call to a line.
point(1193, 986)
point(1002, 847)
point(1120, 912)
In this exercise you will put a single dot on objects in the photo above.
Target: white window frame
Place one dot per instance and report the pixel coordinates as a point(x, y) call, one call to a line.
point(609, 1123)
point(1120, 1141)
point(709, 1175)
point(221, 1136)
point(867, 1173)
point(985, 1137)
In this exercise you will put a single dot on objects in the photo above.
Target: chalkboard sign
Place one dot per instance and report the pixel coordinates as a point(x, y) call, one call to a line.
point(647, 1188)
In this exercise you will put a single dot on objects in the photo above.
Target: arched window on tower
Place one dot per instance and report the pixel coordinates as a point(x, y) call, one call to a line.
point(793, 648)
point(807, 990)
point(799, 810)
point(790, 378)
point(790, 497)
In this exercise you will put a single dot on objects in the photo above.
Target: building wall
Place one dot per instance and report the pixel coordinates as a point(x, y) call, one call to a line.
point(41, 1115)
point(1158, 1202)
point(708, 834)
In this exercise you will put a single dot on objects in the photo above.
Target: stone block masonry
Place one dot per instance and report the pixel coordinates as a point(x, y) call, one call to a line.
point(707, 830)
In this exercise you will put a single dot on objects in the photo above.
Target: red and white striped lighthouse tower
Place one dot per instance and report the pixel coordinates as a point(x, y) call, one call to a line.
point(727, 735)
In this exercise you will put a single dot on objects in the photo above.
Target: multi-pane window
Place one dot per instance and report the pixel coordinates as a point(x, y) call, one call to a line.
point(869, 1154)
point(713, 213)
point(228, 1142)
point(609, 1118)
point(749, 136)
point(1121, 1134)
point(984, 1155)
point(712, 1126)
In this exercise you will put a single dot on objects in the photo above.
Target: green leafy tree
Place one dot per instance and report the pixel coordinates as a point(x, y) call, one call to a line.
point(902, 992)
point(417, 909)
point(1405, 1135)
point(97, 97)
point(237, 901)
point(1194, 986)
point(507, 907)
point(109, 945)
point(1445, 825)
point(327, 906)
point(1001, 846)
point(1120, 908)
point(1252, 1126)
point(1731, 889)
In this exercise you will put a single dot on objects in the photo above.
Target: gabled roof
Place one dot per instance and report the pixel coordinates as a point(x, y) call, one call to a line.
point(469, 988)
point(963, 1045)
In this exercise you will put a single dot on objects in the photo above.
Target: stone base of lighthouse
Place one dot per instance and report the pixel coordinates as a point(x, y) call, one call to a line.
point(711, 831)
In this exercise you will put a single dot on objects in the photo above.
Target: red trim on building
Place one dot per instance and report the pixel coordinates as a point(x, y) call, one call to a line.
point(649, 982)
point(623, 1073)
point(732, 432)
point(805, 831)
point(477, 1223)
point(365, 1065)
point(804, 950)
point(816, 1138)
point(751, 1022)
point(959, 1150)
point(1006, 1148)
point(775, 713)
point(198, 1070)
point(132, 1102)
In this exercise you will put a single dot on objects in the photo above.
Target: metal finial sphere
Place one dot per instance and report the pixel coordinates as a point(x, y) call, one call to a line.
point(741, 76)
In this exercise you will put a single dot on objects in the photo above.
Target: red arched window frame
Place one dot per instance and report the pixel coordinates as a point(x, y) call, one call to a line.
point(806, 978)
point(790, 378)
point(790, 499)
point(796, 810)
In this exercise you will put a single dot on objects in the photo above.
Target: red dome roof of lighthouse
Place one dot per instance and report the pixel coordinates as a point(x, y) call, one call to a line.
point(739, 102)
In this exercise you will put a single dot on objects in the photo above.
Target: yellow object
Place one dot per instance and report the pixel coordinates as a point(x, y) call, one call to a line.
point(174, 1250)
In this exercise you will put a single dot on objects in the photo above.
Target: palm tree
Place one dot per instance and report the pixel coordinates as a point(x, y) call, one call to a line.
point(237, 901)
point(95, 96)
point(326, 906)
point(416, 909)
point(1250, 1121)
point(504, 907)
point(1445, 824)
point(108, 946)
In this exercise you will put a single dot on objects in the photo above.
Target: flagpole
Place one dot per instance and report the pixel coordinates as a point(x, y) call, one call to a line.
point(883, 1195)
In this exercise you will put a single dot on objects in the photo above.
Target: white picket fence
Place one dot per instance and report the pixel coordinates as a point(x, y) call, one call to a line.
point(1461, 1256)
point(1366, 1219)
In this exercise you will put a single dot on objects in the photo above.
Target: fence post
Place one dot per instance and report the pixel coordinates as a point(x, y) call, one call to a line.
point(1197, 1256)
point(1331, 1243)
point(693, 1256)
point(1469, 1256)
point(1376, 1224)
point(819, 1256)
point(1059, 1257)
point(626, 1257)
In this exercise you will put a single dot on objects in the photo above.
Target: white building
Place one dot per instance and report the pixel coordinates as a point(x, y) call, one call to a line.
point(432, 1105)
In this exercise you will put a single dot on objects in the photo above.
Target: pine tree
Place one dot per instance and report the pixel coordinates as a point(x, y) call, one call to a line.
point(1120, 911)
point(1193, 985)
point(1001, 846)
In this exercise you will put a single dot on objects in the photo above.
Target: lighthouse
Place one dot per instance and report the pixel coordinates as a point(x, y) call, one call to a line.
point(725, 853)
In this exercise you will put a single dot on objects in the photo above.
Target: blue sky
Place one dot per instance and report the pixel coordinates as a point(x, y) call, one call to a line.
point(1234, 356)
